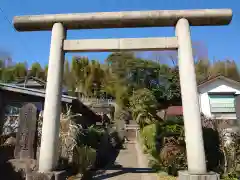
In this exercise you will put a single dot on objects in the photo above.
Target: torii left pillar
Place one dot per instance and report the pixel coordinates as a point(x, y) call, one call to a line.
point(52, 106)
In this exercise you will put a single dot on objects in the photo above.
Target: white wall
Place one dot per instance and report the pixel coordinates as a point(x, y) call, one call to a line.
point(216, 86)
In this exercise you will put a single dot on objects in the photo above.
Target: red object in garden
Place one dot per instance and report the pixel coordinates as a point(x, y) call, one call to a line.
point(174, 111)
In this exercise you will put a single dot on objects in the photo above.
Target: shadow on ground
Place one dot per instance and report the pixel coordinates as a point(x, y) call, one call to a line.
point(102, 167)
point(119, 170)
point(8, 172)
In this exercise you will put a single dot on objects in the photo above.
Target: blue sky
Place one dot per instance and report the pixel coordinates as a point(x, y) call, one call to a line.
point(219, 42)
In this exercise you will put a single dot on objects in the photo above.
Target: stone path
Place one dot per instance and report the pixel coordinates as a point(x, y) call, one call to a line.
point(126, 166)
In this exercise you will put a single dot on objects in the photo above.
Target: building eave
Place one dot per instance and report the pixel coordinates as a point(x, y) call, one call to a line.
point(32, 92)
point(219, 77)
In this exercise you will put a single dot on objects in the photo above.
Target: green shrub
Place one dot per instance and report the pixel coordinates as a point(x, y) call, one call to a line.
point(148, 136)
point(77, 145)
point(143, 105)
point(173, 129)
point(121, 115)
point(231, 176)
point(115, 139)
point(172, 155)
point(84, 158)
point(165, 143)
point(172, 158)
point(174, 120)
point(89, 137)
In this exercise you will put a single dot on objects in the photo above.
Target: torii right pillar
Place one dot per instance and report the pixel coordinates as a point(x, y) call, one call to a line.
point(191, 109)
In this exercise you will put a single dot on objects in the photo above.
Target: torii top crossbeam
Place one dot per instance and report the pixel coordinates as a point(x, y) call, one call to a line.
point(158, 18)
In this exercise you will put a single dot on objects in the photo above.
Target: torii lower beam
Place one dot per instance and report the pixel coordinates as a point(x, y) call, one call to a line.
point(181, 19)
point(128, 44)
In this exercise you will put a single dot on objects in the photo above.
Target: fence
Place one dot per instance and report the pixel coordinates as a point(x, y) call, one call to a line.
point(96, 100)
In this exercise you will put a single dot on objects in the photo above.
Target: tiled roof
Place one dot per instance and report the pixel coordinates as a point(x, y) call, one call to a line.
point(214, 78)
point(30, 81)
point(33, 92)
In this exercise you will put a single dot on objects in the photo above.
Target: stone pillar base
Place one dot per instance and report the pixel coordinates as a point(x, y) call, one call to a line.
point(54, 175)
point(185, 175)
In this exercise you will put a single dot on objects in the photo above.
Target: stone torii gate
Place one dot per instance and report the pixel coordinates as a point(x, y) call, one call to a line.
point(180, 19)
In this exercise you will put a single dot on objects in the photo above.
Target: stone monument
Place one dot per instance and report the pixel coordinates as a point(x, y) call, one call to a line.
point(25, 140)
point(26, 148)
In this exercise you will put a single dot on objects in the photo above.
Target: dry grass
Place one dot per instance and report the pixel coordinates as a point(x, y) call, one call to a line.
point(67, 133)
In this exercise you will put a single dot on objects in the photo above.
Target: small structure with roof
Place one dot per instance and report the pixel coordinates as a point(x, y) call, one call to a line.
point(32, 90)
point(217, 97)
point(31, 82)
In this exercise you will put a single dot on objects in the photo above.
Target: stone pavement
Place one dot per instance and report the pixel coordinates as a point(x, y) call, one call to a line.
point(126, 166)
